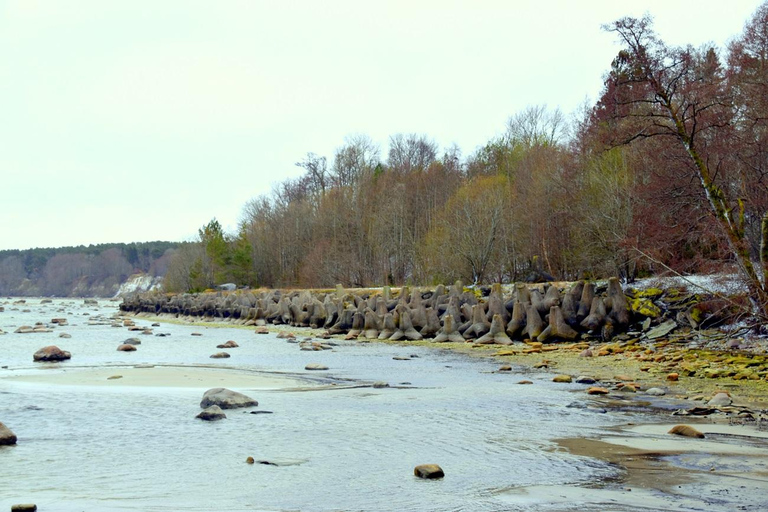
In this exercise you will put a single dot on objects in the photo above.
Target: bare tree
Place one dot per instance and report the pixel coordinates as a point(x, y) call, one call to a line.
point(409, 152)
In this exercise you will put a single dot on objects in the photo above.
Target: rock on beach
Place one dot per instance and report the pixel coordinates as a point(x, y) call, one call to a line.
point(686, 431)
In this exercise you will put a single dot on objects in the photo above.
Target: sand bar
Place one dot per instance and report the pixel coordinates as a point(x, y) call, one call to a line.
point(155, 376)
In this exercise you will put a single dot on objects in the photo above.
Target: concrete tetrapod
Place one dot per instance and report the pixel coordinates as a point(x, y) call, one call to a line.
point(517, 324)
point(449, 332)
point(496, 334)
point(557, 328)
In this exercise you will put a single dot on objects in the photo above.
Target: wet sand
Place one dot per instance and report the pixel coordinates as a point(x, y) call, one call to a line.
point(155, 376)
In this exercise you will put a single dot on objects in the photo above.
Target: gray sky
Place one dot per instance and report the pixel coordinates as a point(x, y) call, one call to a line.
point(139, 120)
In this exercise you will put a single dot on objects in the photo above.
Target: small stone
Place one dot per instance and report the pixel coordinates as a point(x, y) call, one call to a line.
point(401, 358)
point(250, 460)
point(261, 330)
point(525, 382)
point(586, 353)
point(562, 378)
point(115, 377)
point(655, 392)
point(126, 348)
point(155, 324)
point(380, 384)
point(229, 344)
point(594, 390)
point(720, 400)
point(197, 334)
point(315, 366)
point(685, 430)
point(24, 507)
point(220, 355)
point(430, 471)
point(673, 377)
point(505, 368)
point(65, 335)
point(624, 378)
point(585, 380)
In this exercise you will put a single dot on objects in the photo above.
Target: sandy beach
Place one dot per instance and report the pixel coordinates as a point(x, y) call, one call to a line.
point(156, 376)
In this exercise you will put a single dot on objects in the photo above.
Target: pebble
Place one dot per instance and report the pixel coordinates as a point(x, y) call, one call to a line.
point(720, 399)
point(24, 507)
point(430, 471)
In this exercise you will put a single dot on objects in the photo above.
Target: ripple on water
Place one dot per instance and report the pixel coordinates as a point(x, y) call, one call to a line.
point(131, 448)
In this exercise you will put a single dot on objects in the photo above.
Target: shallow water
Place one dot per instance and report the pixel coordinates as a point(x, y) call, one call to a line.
point(120, 447)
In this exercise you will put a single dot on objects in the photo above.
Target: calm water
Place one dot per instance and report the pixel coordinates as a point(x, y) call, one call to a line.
point(140, 448)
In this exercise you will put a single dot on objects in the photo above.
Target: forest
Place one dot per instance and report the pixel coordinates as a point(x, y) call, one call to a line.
point(665, 171)
point(92, 271)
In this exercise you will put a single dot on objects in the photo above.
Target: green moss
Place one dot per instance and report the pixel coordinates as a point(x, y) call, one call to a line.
point(645, 307)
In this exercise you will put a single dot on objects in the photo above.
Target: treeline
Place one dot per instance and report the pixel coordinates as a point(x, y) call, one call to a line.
point(95, 270)
point(614, 190)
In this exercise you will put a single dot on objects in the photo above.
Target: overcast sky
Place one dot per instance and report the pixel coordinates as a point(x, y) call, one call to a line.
point(129, 121)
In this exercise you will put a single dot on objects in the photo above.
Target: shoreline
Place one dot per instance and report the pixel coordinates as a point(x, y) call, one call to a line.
point(158, 376)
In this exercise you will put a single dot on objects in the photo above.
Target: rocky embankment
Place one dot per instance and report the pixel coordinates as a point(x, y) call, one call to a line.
point(626, 339)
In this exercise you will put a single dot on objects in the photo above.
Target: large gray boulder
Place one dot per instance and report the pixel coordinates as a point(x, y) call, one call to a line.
point(6, 436)
point(51, 353)
point(226, 399)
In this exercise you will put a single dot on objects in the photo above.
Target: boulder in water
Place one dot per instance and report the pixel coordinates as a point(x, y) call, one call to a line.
point(212, 413)
point(7, 437)
point(51, 353)
point(430, 471)
point(226, 399)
